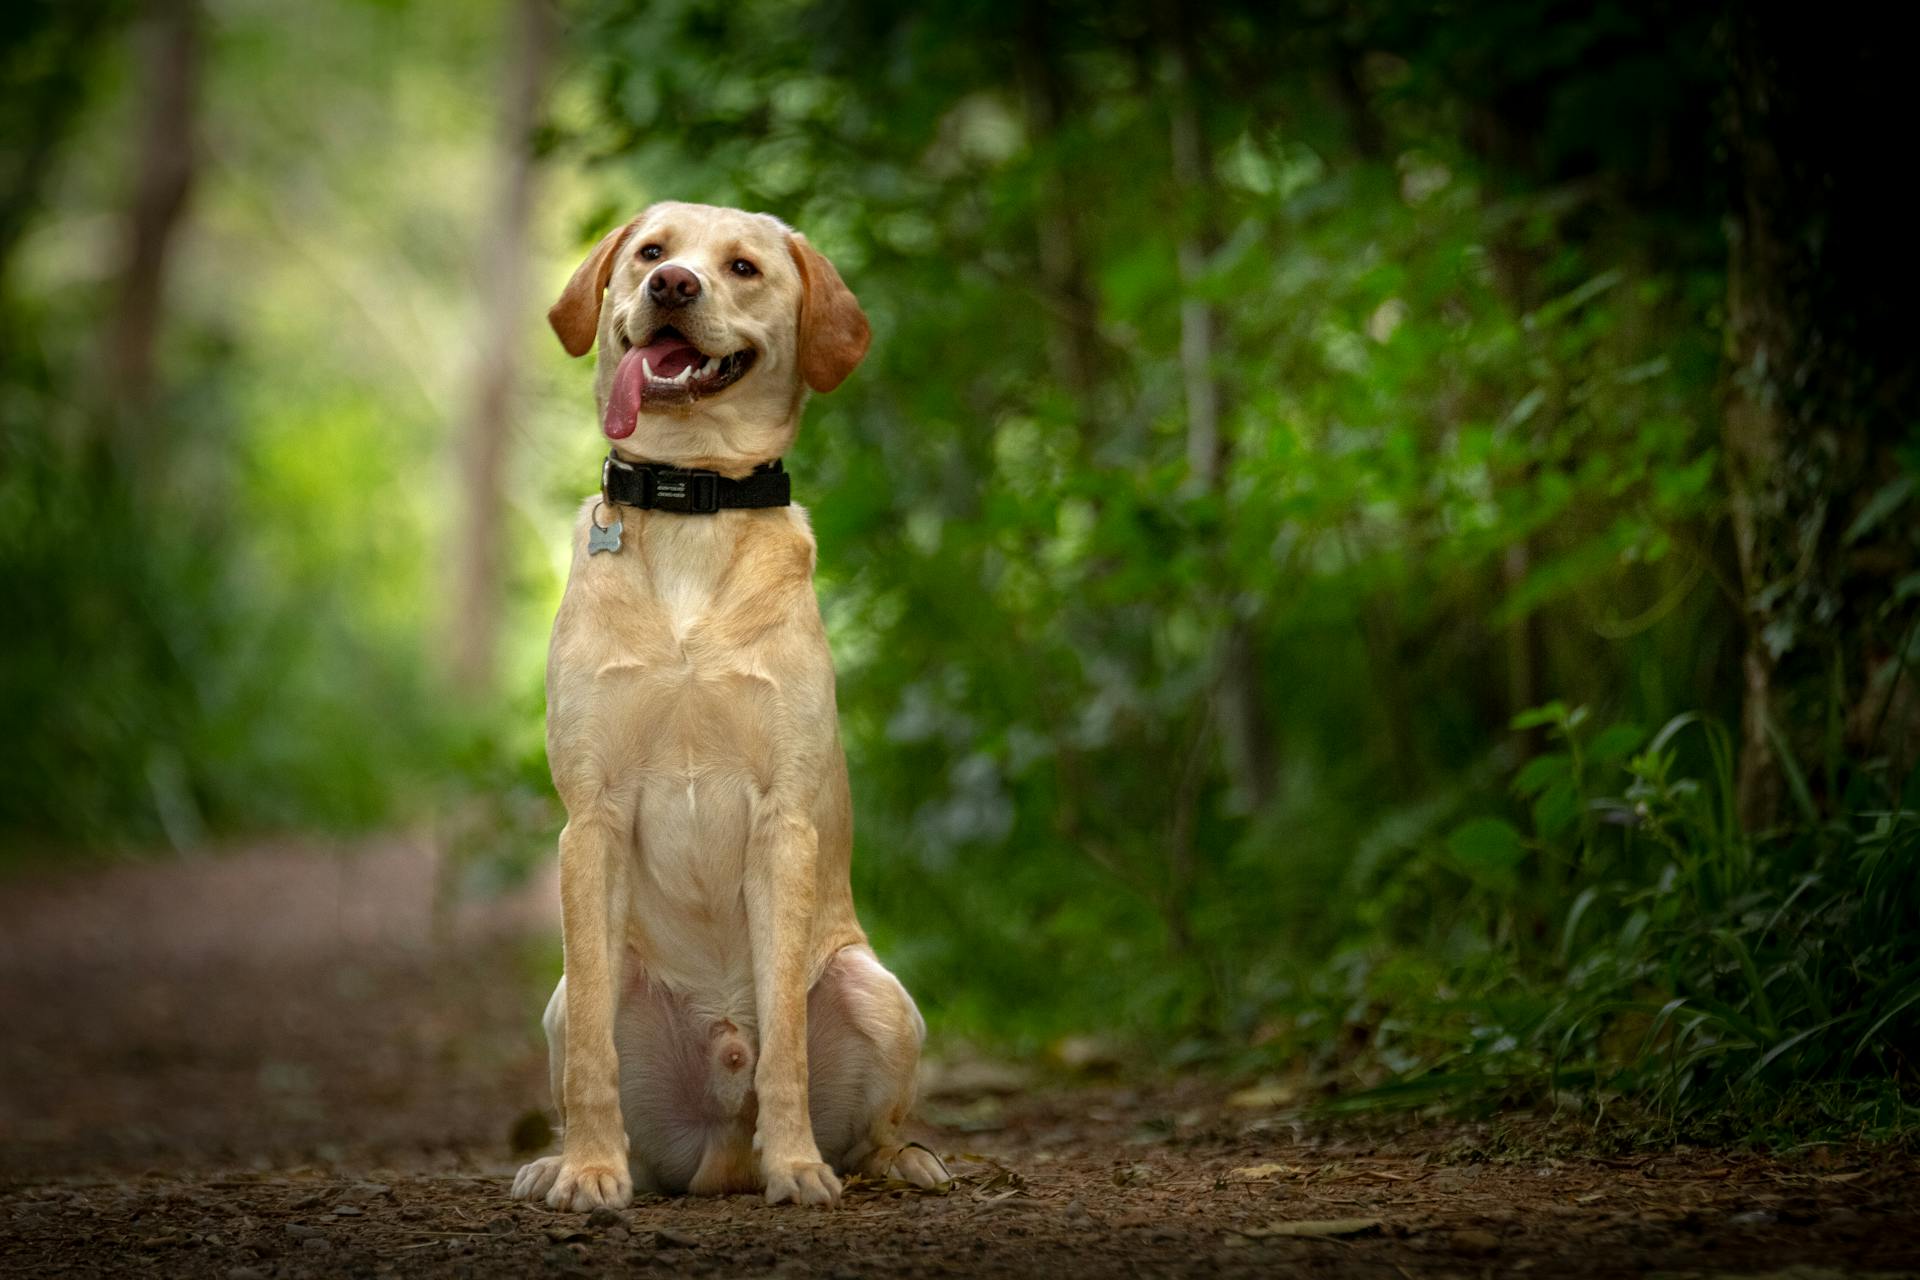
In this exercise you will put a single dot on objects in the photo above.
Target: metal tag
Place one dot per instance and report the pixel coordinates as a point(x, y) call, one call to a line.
point(607, 539)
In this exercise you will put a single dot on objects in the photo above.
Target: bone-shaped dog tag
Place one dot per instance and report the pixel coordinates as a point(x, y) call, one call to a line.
point(603, 539)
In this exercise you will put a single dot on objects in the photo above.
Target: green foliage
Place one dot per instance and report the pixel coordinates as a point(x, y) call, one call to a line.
point(1638, 946)
point(163, 682)
point(222, 607)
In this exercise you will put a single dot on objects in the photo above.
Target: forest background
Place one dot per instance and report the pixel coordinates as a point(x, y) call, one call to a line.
point(1375, 548)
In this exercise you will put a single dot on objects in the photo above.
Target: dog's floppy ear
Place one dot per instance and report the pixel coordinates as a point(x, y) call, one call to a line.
point(834, 334)
point(576, 316)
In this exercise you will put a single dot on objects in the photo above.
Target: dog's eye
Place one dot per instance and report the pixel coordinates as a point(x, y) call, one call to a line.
point(741, 267)
point(651, 251)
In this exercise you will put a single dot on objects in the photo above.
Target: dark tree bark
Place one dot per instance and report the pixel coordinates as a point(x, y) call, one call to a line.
point(483, 444)
point(1820, 387)
point(169, 83)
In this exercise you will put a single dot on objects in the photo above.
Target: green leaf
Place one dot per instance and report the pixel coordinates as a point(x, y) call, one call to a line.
point(1555, 810)
point(1541, 772)
point(1881, 505)
point(1488, 850)
point(1554, 712)
point(1615, 742)
point(1684, 485)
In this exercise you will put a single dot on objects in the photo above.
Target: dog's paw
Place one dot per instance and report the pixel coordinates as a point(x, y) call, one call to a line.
point(919, 1166)
point(582, 1188)
point(801, 1182)
point(536, 1178)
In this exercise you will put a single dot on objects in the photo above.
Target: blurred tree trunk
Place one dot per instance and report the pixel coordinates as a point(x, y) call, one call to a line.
point(480, 532)
point(1820, 387)
point(1072, 346)
point(1501, 132)
point(1246, 737)
point(168, 92)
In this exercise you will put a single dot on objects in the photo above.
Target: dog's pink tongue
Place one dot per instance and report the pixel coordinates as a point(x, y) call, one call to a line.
point(666, 357)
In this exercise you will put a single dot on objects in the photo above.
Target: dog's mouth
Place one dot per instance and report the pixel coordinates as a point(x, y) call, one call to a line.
point(667, 369)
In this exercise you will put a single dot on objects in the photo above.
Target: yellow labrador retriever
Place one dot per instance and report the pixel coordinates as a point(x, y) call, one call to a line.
point(722, 1025)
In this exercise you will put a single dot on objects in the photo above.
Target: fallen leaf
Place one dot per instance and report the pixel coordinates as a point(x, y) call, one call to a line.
point(1274, 1094)
point(1004, 1178)
point(1254, 1172)
point(1322, 1227)
point(971, 1078)
point(1086, 1055)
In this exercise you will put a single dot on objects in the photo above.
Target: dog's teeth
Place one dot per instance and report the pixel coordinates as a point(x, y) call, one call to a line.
point(712, 366)
point(684, 374)
point(646, 370)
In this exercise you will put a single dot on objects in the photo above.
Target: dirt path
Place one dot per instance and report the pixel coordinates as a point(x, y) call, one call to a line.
point(280, 1064)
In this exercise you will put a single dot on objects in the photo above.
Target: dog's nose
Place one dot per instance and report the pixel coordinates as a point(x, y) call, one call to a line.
point(673, 286)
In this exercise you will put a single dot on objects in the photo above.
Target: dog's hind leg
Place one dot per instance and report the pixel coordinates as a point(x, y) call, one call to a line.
point(863, 1052)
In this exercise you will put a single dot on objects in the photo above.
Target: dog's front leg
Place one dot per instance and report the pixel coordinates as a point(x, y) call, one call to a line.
point(781, 866)
point(594, 870)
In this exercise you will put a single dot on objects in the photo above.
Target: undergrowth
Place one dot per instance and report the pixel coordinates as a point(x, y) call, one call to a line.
point(1628, 949)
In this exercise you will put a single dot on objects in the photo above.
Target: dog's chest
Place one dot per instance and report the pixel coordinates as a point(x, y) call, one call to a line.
point(668, 668)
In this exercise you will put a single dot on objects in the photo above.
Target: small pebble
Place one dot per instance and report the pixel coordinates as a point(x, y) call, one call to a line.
point(1075, 1210)
point(668, 1238)
point(603, 1217)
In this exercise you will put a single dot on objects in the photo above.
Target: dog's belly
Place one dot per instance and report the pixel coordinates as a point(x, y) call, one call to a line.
point(697, 790)
point(688, 910)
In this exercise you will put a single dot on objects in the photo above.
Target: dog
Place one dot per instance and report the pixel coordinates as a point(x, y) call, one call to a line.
point(722, 1024)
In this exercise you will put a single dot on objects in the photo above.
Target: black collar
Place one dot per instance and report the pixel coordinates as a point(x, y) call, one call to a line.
point(655, 486)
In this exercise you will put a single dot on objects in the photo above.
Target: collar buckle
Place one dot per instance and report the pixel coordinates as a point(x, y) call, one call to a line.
point(688, 492)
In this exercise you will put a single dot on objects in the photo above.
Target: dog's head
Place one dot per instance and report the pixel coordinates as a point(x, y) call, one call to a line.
point(712, 324)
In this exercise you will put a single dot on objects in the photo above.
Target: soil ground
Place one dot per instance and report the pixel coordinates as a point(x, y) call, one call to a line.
point(284, 1062)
